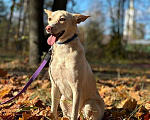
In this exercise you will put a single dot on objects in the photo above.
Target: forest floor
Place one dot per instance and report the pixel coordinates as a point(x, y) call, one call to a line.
point(124, 88)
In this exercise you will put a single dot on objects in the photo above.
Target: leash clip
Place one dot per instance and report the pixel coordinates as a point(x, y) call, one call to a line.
point(48, 55)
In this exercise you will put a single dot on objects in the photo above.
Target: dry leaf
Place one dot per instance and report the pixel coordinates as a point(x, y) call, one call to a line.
point(3, 81)
point(43, 112)
point(108, 101)
point(25, 116)
point(134, 95)
point(130, 104)
point(5, 92)
point(147, 116)
point(39, 103)
point(2, 73)
point(147, 106)
point(64, 118)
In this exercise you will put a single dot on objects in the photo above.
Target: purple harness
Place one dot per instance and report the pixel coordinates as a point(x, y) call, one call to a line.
point(46, 58)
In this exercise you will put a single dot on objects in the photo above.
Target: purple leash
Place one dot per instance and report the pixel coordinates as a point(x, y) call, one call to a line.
point(46, 58)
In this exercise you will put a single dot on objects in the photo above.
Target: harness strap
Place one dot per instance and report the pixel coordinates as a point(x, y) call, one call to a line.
point(46, 58)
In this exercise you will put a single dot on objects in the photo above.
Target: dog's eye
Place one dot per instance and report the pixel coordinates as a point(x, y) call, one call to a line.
point(49, 19)
point(62, 19)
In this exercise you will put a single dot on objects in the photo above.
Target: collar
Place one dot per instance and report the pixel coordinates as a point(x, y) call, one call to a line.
point(67, 41)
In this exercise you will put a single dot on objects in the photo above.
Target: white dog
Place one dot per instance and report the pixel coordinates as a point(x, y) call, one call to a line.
point(73, 83)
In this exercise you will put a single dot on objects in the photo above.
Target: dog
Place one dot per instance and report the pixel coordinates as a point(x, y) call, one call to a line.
point(73, 83)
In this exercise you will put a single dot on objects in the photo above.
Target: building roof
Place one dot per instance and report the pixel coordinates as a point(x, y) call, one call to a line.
point(142, 42)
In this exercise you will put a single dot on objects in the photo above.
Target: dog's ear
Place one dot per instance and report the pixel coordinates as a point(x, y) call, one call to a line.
point(48, 12)
point(80, 18)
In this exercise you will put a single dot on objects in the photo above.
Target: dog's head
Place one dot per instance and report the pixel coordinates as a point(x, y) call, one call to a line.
point(62, 25)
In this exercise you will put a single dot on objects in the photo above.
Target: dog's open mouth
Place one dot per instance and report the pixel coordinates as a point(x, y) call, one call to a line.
point(54, 37)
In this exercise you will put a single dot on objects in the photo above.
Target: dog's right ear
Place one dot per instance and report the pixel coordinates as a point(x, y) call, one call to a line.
point(48, 12)
point(80, 17)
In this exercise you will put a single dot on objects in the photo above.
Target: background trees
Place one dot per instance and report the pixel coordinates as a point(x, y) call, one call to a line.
point(94, 33)
point(2, 10)
point(22, 27)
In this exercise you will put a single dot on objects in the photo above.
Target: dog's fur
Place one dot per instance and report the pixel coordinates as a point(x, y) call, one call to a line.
point(73, 82)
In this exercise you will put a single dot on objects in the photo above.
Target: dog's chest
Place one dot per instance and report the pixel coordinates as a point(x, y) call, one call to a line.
point(61, 78)
point(64, 59)
point(62, 70)
point(62, 66)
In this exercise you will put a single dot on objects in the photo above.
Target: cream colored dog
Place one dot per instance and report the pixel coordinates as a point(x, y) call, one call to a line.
point(73, 82)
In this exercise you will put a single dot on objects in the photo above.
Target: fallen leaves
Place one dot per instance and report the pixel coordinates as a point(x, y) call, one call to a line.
point(125, 98)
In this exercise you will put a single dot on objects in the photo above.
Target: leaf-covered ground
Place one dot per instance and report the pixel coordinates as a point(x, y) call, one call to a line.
point(126, 98)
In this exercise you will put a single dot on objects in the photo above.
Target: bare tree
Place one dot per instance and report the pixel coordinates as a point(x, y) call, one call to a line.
point(9, 24)
point(22, 18)
point(116, 10)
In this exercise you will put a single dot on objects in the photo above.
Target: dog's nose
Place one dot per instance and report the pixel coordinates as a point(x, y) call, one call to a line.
point(48, 28)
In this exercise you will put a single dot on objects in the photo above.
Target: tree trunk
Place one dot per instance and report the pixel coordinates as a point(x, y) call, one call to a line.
point(22, 22)
point(19, 21)
point(59, 5)
point(9, 24)
point(36, 31)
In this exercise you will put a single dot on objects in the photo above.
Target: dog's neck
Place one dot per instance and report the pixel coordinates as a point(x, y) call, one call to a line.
point(68, 40)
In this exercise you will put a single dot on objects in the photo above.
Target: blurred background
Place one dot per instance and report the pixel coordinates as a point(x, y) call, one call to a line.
point(117, 33)
point(117, 45)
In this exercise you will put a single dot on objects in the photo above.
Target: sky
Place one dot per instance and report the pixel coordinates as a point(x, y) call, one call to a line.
point(82, 6)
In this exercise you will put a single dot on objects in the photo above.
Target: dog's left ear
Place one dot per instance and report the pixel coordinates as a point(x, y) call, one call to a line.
point(80, 18)
point(48, 12)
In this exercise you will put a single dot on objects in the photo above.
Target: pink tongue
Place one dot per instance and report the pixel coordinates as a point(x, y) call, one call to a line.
point(51, 40)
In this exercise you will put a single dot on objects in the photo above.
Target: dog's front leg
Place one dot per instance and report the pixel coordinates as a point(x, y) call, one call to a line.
point(75, 107)
point(55, 96)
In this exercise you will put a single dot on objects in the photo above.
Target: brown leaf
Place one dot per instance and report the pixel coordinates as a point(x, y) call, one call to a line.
point(3, 73)
point(43, 112)
point(64, 118)
point(39, 103)
point(147, 106)
point(108, 100)
point(23, 101)
point(5, 92)
point(130, 104)
point(3, 81)
point(25, 116)
point(20, 118)
point(12, 80)
point(147, 116)
point(134, 95)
